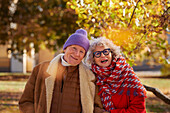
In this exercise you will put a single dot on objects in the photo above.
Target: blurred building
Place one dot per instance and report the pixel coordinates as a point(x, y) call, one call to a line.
point(22, 63)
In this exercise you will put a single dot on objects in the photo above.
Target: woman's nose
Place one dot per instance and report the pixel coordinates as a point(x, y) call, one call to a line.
point(102, 54)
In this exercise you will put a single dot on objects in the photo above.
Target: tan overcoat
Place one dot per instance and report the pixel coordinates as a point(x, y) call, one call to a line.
point(38, 92)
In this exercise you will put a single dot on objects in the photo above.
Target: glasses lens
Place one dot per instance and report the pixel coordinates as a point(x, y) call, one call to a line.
point(97, 54)
point(106, 51)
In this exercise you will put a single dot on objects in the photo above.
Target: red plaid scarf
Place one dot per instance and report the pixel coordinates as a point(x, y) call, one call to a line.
point(119, 78)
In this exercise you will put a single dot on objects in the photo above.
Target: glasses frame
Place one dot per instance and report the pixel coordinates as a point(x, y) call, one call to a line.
point(94, 53)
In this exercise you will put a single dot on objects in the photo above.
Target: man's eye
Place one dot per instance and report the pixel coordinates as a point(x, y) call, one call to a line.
point(81, 51)
point(74, 48)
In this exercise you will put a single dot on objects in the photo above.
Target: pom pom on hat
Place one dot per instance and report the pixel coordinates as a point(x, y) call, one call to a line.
point(78, 38)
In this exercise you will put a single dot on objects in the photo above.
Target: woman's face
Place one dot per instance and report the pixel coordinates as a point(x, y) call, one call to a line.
point(74, 54)
point(102, 56)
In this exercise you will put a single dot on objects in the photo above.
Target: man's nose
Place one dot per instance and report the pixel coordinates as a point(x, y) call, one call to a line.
point(77, 53)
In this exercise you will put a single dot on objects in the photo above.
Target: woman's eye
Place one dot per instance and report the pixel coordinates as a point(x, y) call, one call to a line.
point(98, 53)
point(105, 51)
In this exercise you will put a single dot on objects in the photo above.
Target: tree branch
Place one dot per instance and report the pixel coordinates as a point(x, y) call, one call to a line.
point(138, 44)
point(133, 12)
point(158, 94)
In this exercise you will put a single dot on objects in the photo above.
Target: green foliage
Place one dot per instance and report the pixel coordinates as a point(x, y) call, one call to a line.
point(136, 26)
point(41, 22)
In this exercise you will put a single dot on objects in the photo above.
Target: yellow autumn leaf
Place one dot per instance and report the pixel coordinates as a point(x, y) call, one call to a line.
point(88, 1)
point(91, 30)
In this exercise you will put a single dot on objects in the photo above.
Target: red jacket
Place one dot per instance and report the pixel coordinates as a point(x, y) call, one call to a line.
point(128, 104)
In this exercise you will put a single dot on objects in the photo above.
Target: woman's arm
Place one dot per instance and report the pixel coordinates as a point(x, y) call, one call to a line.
point(98, 107)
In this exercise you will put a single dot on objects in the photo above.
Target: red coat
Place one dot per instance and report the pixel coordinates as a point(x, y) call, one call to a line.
point(128, 104)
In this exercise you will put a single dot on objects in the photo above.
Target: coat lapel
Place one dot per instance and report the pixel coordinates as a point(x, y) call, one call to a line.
point(49, 81)
point(87, 88)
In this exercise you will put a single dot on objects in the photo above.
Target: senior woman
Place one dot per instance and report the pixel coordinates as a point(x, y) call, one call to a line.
point(119, 88)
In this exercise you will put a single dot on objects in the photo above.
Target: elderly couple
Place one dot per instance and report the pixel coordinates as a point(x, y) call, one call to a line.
point(105, 83)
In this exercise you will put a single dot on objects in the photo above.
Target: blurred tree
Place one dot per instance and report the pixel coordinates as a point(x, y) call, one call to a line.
point(38, 23)
point(4, 20)
point(137, 26)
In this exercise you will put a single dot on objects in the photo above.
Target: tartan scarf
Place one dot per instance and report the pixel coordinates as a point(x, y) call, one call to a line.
point(119, 78)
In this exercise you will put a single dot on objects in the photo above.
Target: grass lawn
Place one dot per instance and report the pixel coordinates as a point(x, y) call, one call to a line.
point(11, 90)
point(154, 104)
point(12, 86)
point(161, 83)
point(13, 74)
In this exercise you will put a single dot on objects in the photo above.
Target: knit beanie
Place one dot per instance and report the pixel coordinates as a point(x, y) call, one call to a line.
point(78, 38)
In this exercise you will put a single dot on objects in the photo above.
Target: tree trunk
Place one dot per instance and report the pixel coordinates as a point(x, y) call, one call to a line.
point(158, 94)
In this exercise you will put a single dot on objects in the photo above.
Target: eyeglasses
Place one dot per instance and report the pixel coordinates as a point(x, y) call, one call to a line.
point(97, 54)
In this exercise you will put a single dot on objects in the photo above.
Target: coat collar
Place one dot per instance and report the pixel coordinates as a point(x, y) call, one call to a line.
point(52, 68)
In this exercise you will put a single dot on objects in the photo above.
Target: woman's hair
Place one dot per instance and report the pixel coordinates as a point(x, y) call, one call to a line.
point(101, 41)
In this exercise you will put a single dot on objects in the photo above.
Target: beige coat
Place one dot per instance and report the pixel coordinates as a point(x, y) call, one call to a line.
point(37, 96)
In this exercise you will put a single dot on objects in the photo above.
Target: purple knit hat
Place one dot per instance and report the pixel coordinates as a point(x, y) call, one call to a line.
point(78, 38)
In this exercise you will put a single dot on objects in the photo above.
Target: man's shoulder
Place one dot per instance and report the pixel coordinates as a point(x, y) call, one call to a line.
point(84, 65)
point(87, 68)
point(43, 64)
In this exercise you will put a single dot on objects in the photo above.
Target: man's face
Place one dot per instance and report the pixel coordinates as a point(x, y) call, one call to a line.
point(74, 54)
